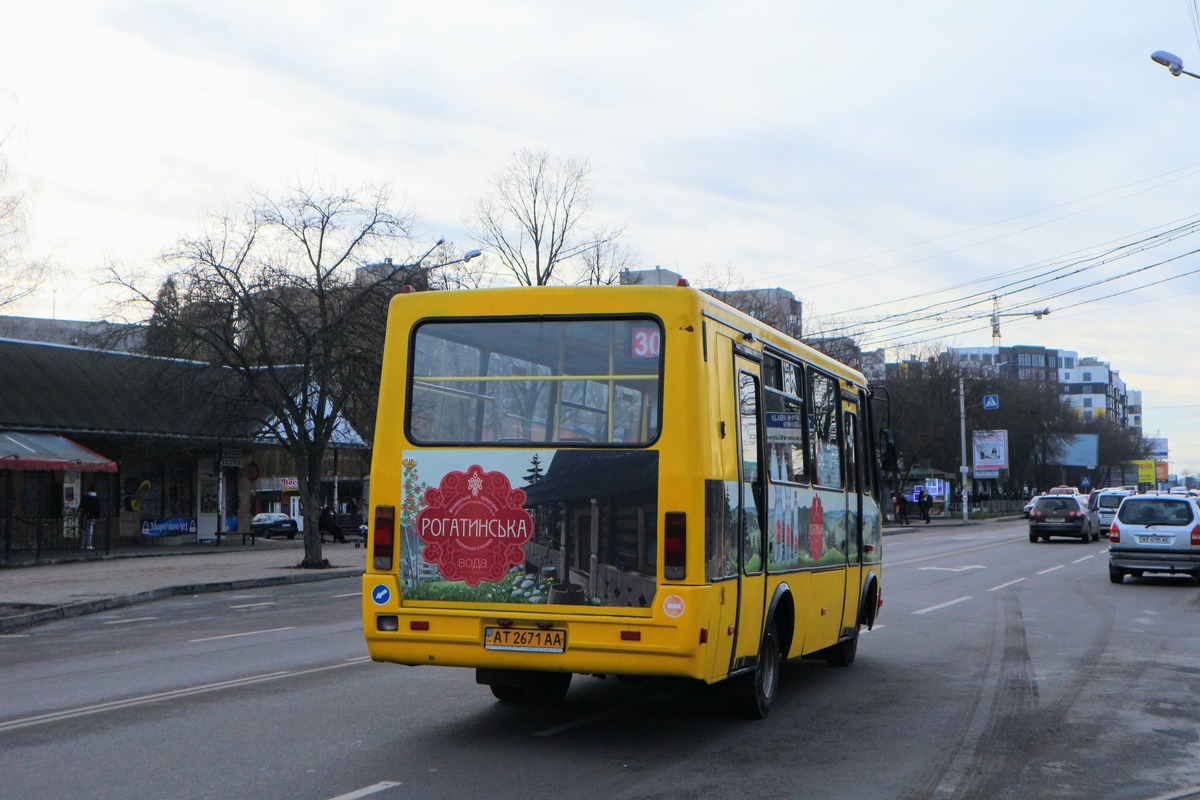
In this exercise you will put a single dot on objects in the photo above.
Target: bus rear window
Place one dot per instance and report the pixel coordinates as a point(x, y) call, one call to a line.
point(556, 381)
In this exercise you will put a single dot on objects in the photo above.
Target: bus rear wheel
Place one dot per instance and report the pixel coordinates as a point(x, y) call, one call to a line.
point(758, 693)
point(526, 686)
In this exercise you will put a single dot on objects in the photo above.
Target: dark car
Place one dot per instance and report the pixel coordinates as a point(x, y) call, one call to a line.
point(1061, 515)
point(273, 524)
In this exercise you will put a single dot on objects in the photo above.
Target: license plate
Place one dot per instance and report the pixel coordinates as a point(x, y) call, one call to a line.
point(1155, 539)
point(526, 639)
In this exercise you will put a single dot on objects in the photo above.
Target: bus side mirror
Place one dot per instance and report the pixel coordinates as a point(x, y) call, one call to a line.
point(887, 449)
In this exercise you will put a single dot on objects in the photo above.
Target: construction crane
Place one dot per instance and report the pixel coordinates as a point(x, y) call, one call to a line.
point(997, 314)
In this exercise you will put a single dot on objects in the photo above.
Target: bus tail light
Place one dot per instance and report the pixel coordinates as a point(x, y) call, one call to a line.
point(1114, 533)
point(384, 537)
point(675, 546)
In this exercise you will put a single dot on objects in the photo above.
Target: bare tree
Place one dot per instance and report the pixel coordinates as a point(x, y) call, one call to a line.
point(531, 217)
point(19, 277)
point(603, 264)
point(282, 295)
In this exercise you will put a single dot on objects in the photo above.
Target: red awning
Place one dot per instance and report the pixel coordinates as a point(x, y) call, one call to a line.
point(49, 451)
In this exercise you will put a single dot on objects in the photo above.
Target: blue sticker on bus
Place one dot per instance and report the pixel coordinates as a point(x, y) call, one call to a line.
point(381, 594)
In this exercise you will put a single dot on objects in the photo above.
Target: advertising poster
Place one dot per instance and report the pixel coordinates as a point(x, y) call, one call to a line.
point(990, 453)
point(523, 527)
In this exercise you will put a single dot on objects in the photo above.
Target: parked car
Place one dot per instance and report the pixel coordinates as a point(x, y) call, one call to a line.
point(273, 524)
point(1102, 505)
point(1155, 533)
point(1061, 515)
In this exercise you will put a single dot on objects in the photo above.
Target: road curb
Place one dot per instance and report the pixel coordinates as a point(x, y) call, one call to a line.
point(51, 613)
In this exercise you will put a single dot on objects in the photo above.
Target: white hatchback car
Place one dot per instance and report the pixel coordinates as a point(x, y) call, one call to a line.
point(1103, 507)
point(1155, 533)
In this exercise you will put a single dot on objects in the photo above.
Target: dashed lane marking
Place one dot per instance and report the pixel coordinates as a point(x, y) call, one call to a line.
point(947, 604)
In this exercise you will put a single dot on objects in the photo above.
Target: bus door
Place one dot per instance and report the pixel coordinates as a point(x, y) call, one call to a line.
point(856, 485)
point(829, 528)
point(751, 522)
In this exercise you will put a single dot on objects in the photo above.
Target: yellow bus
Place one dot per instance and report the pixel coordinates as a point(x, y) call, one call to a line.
point(621, 480)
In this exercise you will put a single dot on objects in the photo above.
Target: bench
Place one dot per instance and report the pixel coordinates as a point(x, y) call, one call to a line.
point(253, 536)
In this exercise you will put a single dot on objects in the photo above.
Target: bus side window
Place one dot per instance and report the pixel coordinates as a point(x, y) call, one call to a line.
point(824, 435)
point(784, 417)
point(753, 502)
point(852, 461)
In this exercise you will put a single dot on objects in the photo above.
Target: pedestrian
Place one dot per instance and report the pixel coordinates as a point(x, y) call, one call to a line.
point(327, 524)
point(351, 507)
point(89, 511)
point(902, 508)
point(924, 504)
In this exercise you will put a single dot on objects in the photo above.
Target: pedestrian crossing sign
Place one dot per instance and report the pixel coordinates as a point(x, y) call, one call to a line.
point(991, 402)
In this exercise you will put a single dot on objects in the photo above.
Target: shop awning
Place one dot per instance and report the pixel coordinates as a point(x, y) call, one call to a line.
point(49, 451)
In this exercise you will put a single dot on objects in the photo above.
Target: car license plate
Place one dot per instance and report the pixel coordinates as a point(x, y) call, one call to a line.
point(527, 639)
point(1155, 539)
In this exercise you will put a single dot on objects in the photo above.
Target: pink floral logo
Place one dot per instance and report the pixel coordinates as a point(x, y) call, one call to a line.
point(474, 526)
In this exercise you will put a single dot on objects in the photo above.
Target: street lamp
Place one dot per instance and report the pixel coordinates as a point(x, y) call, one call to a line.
point(388, 268)
point(1171, 62)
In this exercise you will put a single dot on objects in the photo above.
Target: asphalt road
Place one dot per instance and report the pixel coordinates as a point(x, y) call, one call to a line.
point(1000, 669)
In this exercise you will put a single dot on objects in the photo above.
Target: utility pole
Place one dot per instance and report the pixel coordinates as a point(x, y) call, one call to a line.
point(962, 424)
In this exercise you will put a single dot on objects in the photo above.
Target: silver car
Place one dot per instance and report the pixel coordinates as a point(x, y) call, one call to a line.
point(1103, 507)
point(1155, 533)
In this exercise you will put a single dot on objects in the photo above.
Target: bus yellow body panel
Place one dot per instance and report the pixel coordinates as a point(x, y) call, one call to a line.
point(612, 480)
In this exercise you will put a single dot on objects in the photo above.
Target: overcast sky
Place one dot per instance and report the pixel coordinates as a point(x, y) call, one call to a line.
point(872, 158)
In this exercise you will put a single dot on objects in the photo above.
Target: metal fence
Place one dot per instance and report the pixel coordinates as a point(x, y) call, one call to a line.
point(34, 524)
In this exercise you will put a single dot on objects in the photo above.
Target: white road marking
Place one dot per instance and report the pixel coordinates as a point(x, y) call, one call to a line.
point(1043, 572)
point(1085, 558)
point(366, 791)
point(940, 606)
point(955, 569)
point(252, 605)
point(127, 621)
point(1005, 585)
point(350, 594)
point(235, 635)
point(156, 697)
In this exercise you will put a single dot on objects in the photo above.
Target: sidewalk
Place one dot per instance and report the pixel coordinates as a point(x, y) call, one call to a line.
point(38, 593)
point(956, 521)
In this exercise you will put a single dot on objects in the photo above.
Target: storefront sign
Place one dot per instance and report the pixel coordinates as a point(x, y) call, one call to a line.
point(168, 526)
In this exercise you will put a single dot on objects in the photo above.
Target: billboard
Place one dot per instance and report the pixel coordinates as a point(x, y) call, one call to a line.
point(989, 453)
point(1081, 450)
point(1156, 448)
point(1148, 470)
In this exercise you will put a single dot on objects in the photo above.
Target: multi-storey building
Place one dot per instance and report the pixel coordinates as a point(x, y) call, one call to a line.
point(1090, 386)
point(1024, 362)
point(1095, 390)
